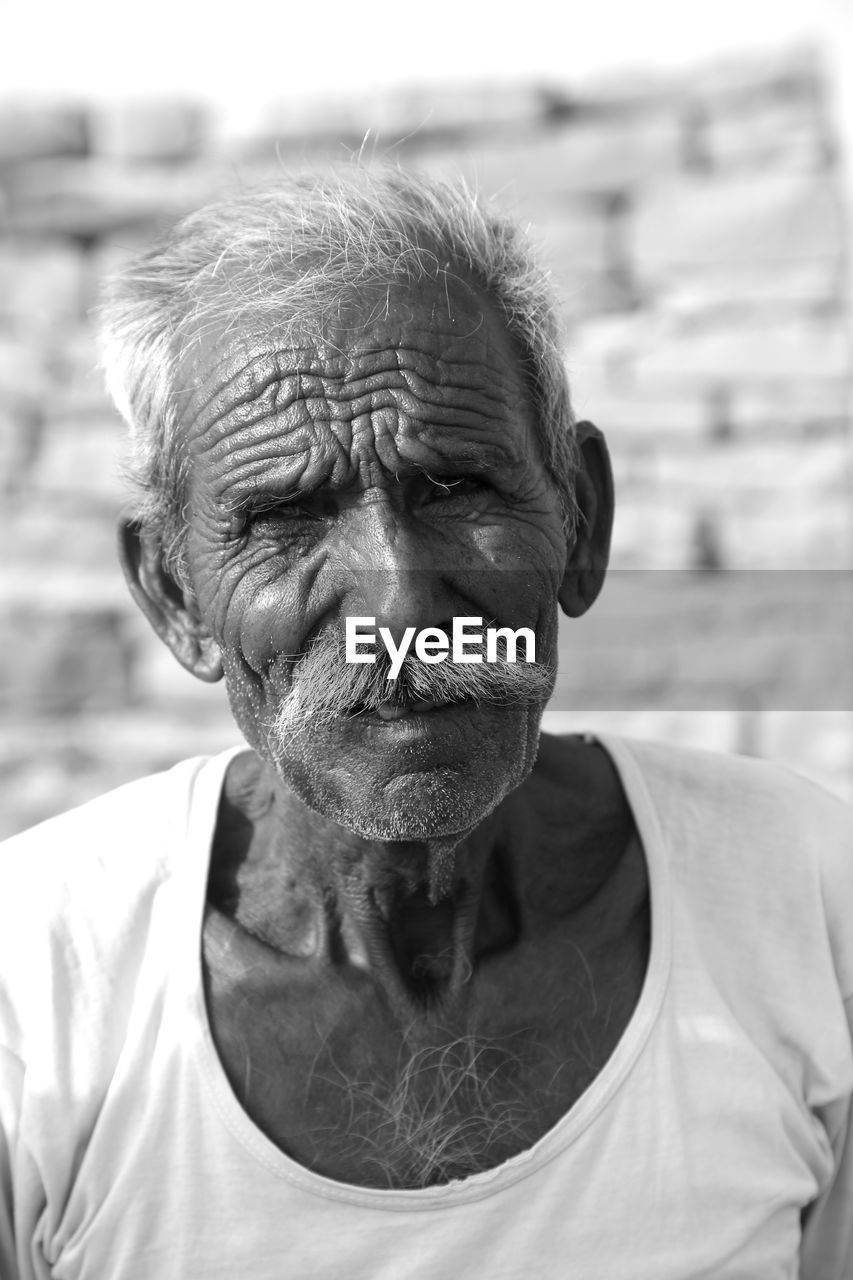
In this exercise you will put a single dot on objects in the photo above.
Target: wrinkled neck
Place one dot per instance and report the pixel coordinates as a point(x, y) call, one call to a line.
point(422, 944)
point(415, 915)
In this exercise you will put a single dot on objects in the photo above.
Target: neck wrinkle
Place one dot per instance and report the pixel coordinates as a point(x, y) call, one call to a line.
point(421, 954)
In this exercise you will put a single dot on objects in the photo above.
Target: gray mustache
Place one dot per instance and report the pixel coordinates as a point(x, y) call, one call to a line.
point(325, 686)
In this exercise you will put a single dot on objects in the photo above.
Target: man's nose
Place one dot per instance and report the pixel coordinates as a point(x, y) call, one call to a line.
point(394, 575)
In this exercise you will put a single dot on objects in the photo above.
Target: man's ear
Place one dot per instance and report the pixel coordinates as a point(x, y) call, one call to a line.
point(171, 610)
point(589, 549)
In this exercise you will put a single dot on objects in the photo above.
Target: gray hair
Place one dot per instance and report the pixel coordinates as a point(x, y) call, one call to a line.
point(290, 256)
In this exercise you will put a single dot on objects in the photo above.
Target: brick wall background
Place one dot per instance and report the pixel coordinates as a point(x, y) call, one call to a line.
point(697, 234)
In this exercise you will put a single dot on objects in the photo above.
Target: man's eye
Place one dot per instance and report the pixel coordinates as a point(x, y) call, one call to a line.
point(461, 490)
point(281, 516)
point(309, 508)
point(284, 514)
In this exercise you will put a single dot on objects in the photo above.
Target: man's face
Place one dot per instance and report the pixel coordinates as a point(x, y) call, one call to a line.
point(391, 471)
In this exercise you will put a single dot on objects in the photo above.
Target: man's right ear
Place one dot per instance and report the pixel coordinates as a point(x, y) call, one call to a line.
point(171, 610)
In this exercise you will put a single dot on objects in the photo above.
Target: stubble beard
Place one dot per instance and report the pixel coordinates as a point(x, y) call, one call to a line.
point(306, 733)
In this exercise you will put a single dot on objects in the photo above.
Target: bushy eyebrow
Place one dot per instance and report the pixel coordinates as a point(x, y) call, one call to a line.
point(267, 494)
point(437, 449)
point(475, 464)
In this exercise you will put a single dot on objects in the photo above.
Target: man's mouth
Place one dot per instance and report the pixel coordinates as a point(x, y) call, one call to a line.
point(400, 710)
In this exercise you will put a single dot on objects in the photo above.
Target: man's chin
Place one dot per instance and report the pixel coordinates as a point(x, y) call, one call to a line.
point(418, 778)
point(416, 806)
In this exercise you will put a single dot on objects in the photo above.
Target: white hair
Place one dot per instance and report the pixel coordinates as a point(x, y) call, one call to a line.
point(290, 256)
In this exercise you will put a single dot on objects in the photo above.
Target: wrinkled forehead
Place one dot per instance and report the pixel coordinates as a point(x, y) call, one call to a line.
point(440, 348)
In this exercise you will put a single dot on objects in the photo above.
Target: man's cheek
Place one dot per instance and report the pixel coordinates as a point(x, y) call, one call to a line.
point(246, 697)
point(260, 623)
point(250, 657)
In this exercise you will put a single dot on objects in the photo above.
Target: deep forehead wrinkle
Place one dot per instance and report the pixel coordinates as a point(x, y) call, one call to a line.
point(313, 452)
point(301, 470)
point(350, 385)
point(420, 388)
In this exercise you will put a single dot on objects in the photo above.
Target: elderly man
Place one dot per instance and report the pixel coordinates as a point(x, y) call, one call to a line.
point(405, 989)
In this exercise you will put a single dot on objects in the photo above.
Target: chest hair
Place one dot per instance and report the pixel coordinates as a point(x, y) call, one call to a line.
point(336, 1083)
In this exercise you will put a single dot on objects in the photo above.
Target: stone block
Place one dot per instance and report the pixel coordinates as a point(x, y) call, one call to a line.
point(693, 290)
point(591, 158)
point(793, 474)
point(635, 422)
point(650, 534)
point(806, 406)
point(24, 366)
point(767, 504)
point(409, 117)
point(79, 390)
point(11, 449)
point(721, 641)
point(769, 351)
point(59, 555)
point(571, 239)
point(817, 535)
point(773, 219)
point(785, 131)
point(57, 662)
point(91, 199)
point(30, 129)
point(79, 461)
point(48, 763)
point(41, 287)
point(153, 129)
point(742, 81)
point(20, 436)
point(747, 114)
point(584, 297)
point(600, 351)
point(664, 524)
point(572, 243)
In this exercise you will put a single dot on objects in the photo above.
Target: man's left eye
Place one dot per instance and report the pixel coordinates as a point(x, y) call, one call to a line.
point(463, 489)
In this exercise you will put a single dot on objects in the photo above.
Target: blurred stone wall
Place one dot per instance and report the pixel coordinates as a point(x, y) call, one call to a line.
point(696, 234)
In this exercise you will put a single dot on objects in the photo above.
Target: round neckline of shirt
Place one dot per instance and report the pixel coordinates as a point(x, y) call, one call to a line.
point(207, 790)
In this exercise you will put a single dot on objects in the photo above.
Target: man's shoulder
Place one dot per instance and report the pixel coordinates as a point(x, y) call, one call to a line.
point(743, 789)
point(137, 815)
point(749, 842)
point(720, 796)
point(80, 893)
point(86, 870)
point(728, 818)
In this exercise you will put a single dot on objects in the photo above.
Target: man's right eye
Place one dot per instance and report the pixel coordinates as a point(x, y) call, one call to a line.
point(286, 513)
point(313, 508)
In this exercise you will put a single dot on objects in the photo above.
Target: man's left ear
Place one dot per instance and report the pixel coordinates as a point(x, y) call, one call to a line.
point(589, 549)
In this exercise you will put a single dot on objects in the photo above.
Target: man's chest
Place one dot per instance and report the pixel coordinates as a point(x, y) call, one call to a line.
point(335, 1080)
